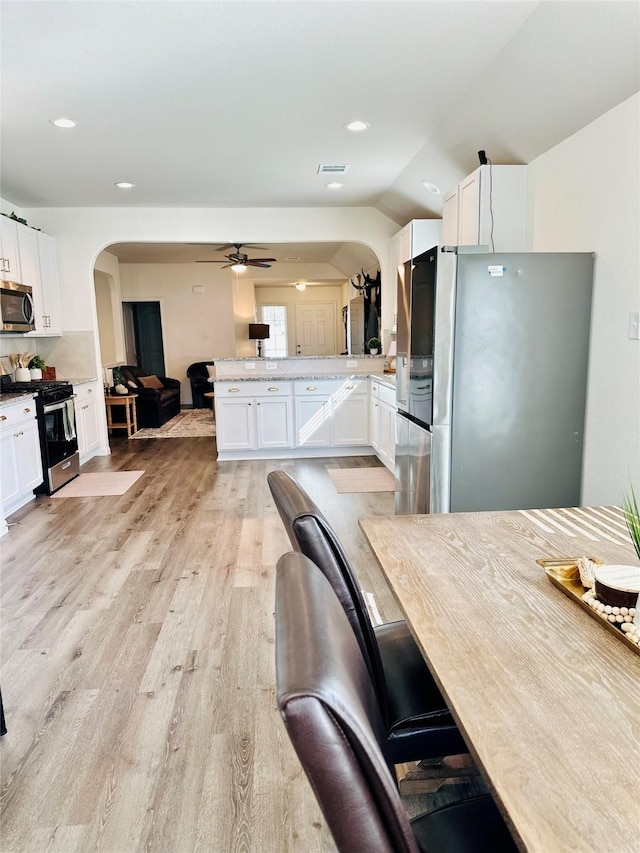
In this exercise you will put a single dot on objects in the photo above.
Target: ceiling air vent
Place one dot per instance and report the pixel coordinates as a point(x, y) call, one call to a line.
point(332, 169)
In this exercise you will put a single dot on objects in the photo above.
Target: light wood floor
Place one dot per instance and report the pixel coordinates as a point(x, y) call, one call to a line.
point(138, 659)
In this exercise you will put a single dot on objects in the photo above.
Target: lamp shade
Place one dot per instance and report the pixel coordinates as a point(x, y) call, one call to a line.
point(392, 350)
point(258, 331)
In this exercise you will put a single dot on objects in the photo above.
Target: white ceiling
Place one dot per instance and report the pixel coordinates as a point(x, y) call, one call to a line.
point(235, 104)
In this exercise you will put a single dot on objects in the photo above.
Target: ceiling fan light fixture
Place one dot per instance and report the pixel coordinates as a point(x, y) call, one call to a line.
point(239, 267)
point(357, 126)
point(301, 286)
point(124, 185)
point(431, 187)
point(334, 185)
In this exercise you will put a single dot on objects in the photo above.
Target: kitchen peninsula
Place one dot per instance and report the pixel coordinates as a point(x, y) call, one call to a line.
point(298, 407)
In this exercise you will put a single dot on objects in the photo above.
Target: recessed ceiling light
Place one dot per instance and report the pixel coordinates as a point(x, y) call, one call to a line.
point(124, 185)
point(334, 185)
point(238, 267)
point(301, 286)
point(431, 187)
point(357, 125)
point(63, 122)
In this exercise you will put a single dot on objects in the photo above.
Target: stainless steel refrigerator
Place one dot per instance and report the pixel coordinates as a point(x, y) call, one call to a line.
point(491, 380)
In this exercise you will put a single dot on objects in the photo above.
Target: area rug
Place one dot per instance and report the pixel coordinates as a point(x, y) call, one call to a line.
point(99, 485)
point(362, 479)
point(192, 423)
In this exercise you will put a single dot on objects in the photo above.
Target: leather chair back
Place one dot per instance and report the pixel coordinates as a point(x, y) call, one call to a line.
point(311, 534)
point(331, 712)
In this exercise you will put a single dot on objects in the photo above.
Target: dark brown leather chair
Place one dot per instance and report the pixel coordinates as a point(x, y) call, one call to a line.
point(154, 406)
point(198, 376)
point(330, 709)
point(418, 723)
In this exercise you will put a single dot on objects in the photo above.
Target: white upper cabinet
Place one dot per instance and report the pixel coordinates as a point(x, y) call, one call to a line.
point(488, 209)
point(9, 251)
point(48, 300)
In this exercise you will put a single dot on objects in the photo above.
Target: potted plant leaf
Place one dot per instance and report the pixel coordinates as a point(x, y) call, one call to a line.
point(374, 345)
point(632, 517)
point(36, 366)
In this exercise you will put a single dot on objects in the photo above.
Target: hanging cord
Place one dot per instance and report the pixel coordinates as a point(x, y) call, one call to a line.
point(493, 248)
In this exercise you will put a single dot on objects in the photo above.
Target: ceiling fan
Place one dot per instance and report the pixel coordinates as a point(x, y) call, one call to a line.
point(238, 258)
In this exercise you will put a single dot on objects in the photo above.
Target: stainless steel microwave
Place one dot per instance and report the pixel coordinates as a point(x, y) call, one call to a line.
point(16, 307)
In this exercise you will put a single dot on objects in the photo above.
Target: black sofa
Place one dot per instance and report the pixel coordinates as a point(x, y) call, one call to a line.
point(154, 406)
point(198, 375)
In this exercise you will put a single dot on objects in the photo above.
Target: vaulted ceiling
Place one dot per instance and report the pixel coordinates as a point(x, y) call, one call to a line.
point(236, 104)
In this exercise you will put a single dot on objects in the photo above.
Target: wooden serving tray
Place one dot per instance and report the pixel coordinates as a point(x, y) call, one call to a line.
point(572, 587)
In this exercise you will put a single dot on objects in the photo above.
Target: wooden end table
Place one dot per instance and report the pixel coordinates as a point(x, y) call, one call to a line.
point(131, 420)
point(211, 395)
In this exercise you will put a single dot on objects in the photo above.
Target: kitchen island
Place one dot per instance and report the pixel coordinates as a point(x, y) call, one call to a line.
point(284, 408)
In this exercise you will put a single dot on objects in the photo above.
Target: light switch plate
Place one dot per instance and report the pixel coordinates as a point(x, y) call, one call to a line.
point(249, 365)
point(271, 365)
point(634, 326)
point(352, 364)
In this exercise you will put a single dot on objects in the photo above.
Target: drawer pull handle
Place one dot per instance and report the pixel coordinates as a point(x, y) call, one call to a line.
point(273, 388)
point(18, 434)
point(312, 387)
point(422, 387)
point(233, 390)
point(66, 465)
point(3, 417)
point(349, 387)
point(26, 411)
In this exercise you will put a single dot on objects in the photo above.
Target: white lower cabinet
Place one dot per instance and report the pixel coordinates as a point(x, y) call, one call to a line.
point(332, 412)
point(21, 468)
point(383, 423)
point(253, 415)
point(87, 400)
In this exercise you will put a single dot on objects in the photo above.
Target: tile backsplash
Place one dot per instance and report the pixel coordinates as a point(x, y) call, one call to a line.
point(72, 354)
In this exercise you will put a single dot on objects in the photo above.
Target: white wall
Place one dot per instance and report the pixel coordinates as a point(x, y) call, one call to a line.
point(195, 326)
point(584, 196)
point(291, 297)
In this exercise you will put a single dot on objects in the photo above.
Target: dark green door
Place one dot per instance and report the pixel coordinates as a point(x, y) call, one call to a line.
point(148, 333)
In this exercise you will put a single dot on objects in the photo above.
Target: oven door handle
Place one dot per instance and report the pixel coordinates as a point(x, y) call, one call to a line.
point(55, 407)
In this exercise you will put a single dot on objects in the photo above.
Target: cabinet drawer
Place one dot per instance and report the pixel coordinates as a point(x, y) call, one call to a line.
point(11, 415)
point(387, 395)
point(328, 387)
point(229, 390)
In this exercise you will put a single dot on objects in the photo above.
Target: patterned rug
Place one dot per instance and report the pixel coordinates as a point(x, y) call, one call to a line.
point(99, 484)
point(362, 479)
point(190, 423)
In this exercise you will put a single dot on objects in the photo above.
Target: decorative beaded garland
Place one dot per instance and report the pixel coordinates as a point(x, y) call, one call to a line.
point(621, 617)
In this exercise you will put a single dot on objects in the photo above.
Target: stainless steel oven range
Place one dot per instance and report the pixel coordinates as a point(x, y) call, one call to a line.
point(57, 428)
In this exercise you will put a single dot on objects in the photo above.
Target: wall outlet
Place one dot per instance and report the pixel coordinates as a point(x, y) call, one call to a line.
point(352, 364)
point(249, 365)
point(271, 365)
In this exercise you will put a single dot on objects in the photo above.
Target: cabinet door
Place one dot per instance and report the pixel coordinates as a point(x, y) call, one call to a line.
point(387, 452)
point(469, 210)
point(29, 460)
point(374, 426)
point(351, 420)
point(9, 468)
point(450, 218)
point(235, 424)
point(49, 284)
point(10, 263)
point(313, 422)
point(274, 423)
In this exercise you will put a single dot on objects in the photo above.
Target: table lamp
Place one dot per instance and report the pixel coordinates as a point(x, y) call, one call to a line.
point(258, 332)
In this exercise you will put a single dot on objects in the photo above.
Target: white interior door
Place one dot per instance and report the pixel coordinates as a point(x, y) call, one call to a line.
point(316, 329)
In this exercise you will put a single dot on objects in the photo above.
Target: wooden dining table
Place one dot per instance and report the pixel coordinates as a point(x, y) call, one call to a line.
point(547, 699)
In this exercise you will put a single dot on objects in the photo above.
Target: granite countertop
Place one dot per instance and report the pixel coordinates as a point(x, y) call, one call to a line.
point(385, 378)
point(303, 358)
point(15, 397)
point(81, 380)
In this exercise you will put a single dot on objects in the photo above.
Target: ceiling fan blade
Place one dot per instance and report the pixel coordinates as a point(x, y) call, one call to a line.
point(262, 260)
point(255, 264)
